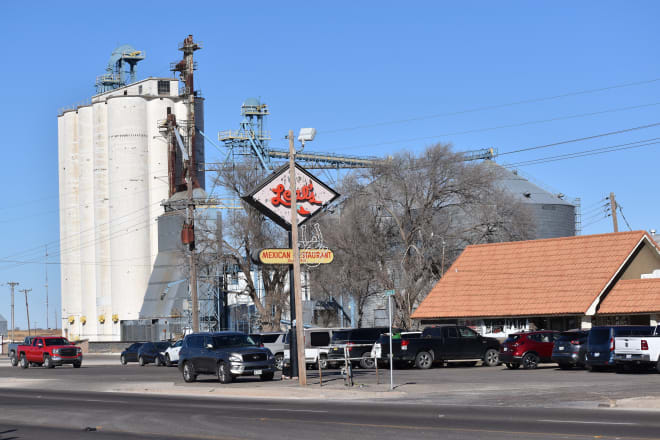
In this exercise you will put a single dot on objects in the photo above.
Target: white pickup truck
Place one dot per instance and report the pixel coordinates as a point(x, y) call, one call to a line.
point(637, 351)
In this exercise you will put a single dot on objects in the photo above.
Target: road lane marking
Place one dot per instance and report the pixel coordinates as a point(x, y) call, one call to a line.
point(294, 410)
point(586, 422)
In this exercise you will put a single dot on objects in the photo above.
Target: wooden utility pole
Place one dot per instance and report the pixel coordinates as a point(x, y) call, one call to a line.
point(613, 210)
point(300, 328)
point(27, 308)
point(12, 284)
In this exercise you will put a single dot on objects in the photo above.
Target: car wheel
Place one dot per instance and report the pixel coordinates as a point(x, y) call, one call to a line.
point(512, 366)
point(423, 360)
point(168, 361)
point(141, 361)
point(24, 362)
point(77, 364)
point(268, 375)
point(48, 363)
point(14, 360)
point(224, 375)
point(530, 361)
point(158, 362)
point(279, 361)
point(189, 372)
point(491, 357)
point(565, 366)
point(657, 366)
point(323, 360)
point(122, 359)
point(367, 361)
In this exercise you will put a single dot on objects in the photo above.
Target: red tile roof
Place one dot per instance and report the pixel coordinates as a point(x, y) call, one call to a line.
point(632, 296)
point(557, 276)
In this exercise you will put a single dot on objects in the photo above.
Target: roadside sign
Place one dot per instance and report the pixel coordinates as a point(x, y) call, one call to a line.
point(273, 196)
point(389, 292)
point(285, 256)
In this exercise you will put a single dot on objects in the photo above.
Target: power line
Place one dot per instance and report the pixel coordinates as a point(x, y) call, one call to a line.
point(499, 127)
point(623, 216)
point(492, 107)
point(626, 130)
point(592, 152)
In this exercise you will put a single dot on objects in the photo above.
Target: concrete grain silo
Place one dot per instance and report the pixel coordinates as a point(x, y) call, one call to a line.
point(113, 179)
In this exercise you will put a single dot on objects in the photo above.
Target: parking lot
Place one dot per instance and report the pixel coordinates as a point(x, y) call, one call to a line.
point(547, 386)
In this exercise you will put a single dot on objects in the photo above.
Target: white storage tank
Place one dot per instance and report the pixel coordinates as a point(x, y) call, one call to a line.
point(158, 165)
point(130, 247)
point(102, 224)
point(70, 217)
point(86, 207)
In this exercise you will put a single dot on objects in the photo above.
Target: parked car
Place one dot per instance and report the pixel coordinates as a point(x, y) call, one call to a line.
point(444, 343)
point(11, 349)
point(152, 352)
point(528, 349)
point(226, 355)
point(359, 342)
point(601, 343)
point(637, 351)
point(317, 341)
point(172, 353)
point(130, 354)
point(570, 349)
point(274, 341)
point(49, 351)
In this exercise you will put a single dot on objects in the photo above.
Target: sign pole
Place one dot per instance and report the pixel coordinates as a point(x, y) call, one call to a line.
point(390, 294)
point(293, 345)
point(300, 329)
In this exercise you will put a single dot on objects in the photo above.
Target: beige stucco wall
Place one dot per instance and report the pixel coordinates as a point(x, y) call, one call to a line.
point(646, 261)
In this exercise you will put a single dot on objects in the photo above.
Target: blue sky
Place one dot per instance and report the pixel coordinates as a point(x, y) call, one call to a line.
point(343, 65)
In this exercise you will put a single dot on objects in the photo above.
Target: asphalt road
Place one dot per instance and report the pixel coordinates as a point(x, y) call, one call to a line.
point(547, 386)
point(457, 402)
point(34, 413)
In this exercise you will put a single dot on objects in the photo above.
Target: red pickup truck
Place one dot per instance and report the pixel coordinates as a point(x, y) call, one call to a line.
point(49, 351)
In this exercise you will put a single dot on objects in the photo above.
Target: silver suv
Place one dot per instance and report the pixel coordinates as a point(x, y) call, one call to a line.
point(274, 341)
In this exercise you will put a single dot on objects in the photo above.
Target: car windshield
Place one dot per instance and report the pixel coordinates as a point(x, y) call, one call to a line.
point(162, 346)
point(512, 339)
point(57, 341)
point(232, 341)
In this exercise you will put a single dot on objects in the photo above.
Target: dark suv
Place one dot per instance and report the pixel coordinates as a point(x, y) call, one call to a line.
point(359, 341)
point(226, 355)
point(570, 349)
point(528, 349)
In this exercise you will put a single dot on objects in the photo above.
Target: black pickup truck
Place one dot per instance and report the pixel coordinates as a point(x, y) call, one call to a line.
point(441, 343)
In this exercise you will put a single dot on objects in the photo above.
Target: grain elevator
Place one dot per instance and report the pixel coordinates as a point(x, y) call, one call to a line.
point(116, 168)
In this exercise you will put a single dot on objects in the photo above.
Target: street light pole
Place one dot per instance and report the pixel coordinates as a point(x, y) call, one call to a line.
point(299, 326)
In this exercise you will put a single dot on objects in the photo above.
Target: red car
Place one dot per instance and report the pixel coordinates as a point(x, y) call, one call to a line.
point(528, 349)
point(49, 351)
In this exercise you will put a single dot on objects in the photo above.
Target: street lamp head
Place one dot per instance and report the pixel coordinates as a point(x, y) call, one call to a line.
point(306, 134)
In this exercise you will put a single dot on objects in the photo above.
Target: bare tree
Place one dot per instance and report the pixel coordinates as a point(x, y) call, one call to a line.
point(412, 215)
point(246, 232)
